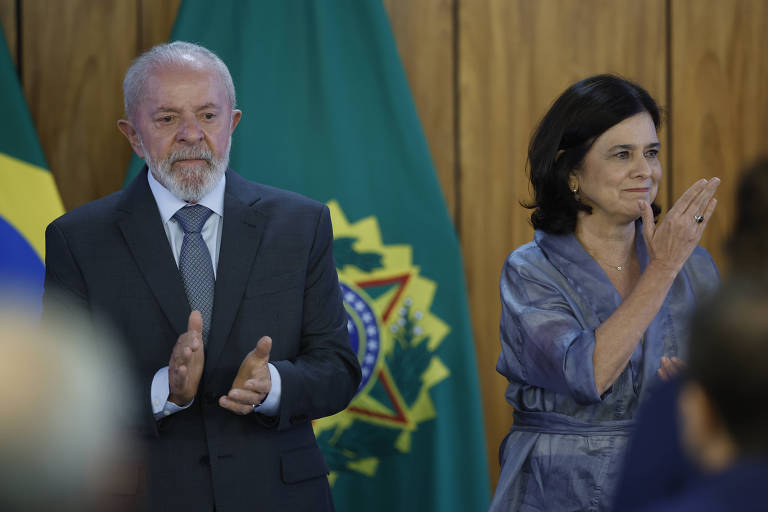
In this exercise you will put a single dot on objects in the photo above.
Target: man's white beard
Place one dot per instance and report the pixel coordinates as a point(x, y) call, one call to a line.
point(190, 183)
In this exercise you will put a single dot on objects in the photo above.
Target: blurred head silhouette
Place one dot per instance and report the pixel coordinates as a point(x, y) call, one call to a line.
point(60, 429)
point(747, 246)
point(724, 402)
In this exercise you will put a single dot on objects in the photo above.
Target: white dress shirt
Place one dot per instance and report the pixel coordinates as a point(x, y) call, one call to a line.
point(168, 205)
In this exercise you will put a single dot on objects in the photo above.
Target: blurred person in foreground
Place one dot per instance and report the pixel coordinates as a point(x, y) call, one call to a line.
point(747, 246)
point(656, 468)
point(63, 442)
point(723, 404)
point(225, 292)
point(598, 301)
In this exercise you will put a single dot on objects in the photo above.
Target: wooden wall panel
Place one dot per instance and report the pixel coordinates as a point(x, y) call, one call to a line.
point(424, 32)
point(8, 22)
point(720, 98)
point(75, 54)
point(515, 57)
point(156, 21)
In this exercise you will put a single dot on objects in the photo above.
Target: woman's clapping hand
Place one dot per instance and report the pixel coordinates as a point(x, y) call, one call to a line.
point(672, 241)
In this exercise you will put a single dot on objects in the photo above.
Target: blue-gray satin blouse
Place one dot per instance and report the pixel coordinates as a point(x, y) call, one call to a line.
point(563, 452)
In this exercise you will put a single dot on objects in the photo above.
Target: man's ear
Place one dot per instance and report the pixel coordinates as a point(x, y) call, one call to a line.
point(126, 127)
point(236, 116)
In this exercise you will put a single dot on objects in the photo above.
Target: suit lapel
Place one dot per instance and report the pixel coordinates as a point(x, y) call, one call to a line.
point(242, 230)
point(143, 231)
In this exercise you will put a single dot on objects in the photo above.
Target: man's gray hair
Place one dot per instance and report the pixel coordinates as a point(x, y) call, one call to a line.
point(177, 53)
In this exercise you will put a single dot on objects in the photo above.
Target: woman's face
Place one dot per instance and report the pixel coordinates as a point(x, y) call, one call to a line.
point(621, 167)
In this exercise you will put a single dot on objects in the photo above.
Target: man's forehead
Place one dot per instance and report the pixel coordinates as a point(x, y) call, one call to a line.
point(171, 86)
point(191, 70)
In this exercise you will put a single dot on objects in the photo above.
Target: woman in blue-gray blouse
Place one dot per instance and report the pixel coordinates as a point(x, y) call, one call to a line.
point(595, 307)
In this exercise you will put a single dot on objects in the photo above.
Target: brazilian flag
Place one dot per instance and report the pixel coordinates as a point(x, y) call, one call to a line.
point(29, 199)
point(327, 112)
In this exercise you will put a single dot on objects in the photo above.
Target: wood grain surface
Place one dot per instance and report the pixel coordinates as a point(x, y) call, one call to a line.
point(156, 21)
point(424, 31)
point(719, 99)
point(8, 22)
point(75, 55)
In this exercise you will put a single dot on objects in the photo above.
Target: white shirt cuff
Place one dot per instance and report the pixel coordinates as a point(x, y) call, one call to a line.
point(271, 404)
point(159, 392)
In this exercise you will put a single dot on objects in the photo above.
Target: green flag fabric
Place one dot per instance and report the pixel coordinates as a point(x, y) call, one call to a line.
point(29, 199)
point(327, 113)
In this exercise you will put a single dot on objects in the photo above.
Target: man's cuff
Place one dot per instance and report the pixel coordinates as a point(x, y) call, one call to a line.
point(159, 392)
point(271, 405)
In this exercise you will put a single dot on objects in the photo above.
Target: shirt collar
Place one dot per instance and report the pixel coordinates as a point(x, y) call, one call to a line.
point(168, 204)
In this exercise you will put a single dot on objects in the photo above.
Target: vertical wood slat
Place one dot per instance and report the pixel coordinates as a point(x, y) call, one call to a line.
point(516, 57)
point(156, 21)
point(75, 54)
point(8, 22)
point(424, 34)
point(720, 99)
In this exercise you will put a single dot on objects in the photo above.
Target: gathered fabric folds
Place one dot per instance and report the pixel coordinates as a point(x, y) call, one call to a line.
point(564, 450)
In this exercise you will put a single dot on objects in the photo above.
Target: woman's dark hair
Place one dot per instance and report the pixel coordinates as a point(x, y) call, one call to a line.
point(747, 246)
point(576, 119)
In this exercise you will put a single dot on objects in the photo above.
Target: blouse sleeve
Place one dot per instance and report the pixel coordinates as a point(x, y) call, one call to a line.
point(702, 273)
point(542, 342)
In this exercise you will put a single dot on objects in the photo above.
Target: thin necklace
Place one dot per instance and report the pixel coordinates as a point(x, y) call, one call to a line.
point(617, 267)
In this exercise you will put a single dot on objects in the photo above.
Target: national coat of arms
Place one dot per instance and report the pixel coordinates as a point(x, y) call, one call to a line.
point(395, 337)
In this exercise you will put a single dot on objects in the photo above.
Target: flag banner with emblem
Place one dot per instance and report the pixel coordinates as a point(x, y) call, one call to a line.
point(29, 199)
point(327, 112)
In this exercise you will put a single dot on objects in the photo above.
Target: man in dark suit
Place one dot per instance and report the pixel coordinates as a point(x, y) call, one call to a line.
point(225, 293)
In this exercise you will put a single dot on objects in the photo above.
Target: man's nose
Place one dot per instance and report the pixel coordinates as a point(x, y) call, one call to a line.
point(189, 131)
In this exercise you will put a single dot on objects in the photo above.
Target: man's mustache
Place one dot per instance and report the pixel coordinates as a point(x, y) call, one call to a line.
point(191, 154)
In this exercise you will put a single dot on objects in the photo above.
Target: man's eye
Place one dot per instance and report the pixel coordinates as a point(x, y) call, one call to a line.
point(166, 119)
point(209, 115)
point(652, 153)
point(622, 155)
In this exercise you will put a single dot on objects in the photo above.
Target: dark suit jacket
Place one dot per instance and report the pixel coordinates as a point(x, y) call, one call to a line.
point(276, 276)
point(655, 466)
point(739, 488)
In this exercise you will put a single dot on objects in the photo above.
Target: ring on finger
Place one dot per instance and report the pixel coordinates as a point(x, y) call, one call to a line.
point(698, 218)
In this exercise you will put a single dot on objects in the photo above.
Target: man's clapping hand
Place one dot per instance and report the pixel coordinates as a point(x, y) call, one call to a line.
point(186, 365)
point(253, 381)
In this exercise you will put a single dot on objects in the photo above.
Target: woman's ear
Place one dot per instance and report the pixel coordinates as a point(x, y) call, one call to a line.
point(573, 182)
